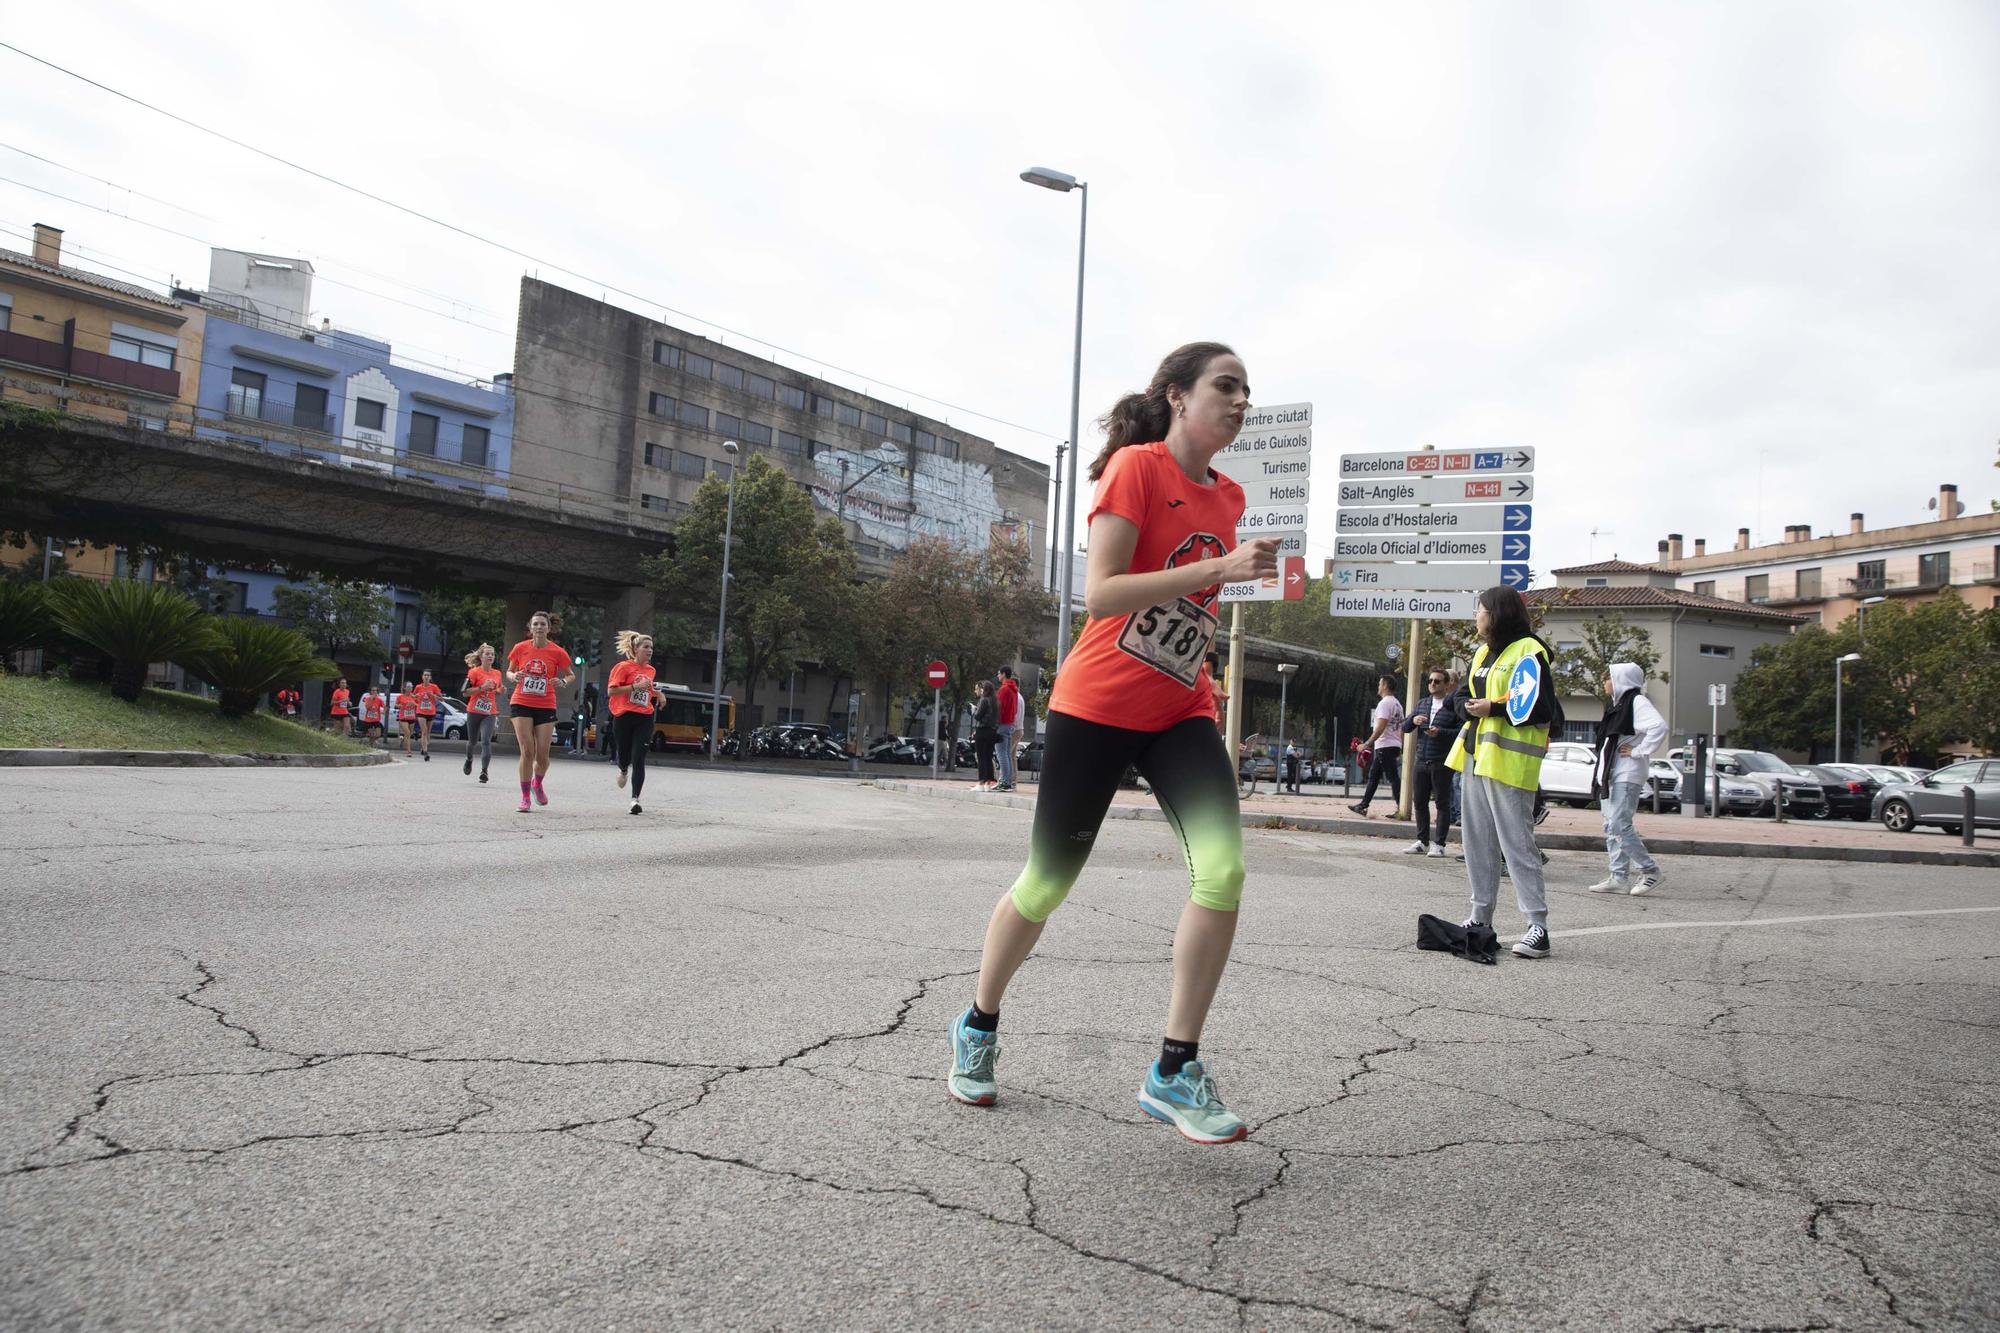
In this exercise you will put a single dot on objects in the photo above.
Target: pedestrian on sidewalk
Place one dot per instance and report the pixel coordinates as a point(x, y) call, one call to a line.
point(1632, 733)
point(1009, 700)
point(482, 707)
point(1291, 767)
point(1386, 742)
point(1135, 691)
point(985, 733)
point(1508, 702)
point(1432, 722)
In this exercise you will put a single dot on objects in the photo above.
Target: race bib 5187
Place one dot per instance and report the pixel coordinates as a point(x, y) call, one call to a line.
point(1173, 638)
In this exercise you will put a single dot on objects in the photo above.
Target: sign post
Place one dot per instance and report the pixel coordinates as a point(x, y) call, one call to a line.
point(935, 675)
point(1271, 459)
point(1718, 695)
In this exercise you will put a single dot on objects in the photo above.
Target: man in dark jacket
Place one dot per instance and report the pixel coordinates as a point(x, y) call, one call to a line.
point(1433, 721)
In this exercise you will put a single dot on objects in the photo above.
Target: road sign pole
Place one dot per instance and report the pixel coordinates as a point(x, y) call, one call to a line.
point(937, 718)
point(1234, 728)
point(1403, 802)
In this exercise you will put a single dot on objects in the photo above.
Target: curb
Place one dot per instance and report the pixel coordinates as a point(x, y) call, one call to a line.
point(179, 759)
point(1561, 842)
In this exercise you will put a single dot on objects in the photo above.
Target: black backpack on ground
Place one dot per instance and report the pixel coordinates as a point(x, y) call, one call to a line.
point(1476, 944)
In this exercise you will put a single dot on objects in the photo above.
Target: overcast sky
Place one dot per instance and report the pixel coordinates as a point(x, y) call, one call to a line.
point(1725, 265)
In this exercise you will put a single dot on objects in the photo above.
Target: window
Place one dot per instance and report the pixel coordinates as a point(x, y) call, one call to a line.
point(899, 431)
point(1705, 588)
point(229, 598)
point(756, 432)
point(423, 434)
point(759, 387)
point(146, 416)
point(874, 425)
point(657, 455)
point(947, 448)
point(731, 376)
point(790, 443)
point(1957, 775)
point(725, 424)
point(723, 469)
point(926, 442)
point(6, 312)
point(309, 408)
point(652, 501)
point(1597, 583)
point(822, 407)
point(1564, 647)
point(473, 451)
point(369, 414)
point(1934, 570)
point(660, 405)
point(1808, 584)
point(692, 415)
point(246, 393)
point(694, 363)
point(788, 394)
point(686, 464)
point(845, 415)
point(1757, 588)
point(666, 354)
point(131, 343)
point(1717, 650)
point(1868, 575)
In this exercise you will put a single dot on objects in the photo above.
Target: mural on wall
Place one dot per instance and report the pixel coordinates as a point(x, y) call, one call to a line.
point(896, 495)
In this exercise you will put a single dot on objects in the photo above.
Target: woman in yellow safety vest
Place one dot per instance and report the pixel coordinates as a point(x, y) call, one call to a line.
point(1508, 699)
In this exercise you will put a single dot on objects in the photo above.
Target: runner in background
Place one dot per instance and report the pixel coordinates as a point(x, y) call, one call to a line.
point(288, 702)
point(1136, 690)
point(482, 707)
point(630, 692)
point(428, 694)
point(406, 715)
point(338, 708)
point(537, 668)
point(374, 707)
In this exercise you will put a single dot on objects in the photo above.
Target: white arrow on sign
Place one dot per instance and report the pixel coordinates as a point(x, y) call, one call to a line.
point(1435, 577)
point(1437, 490)
point(1280, 490)
point(1437, 518)
point(1487, 546)
point(1407, 605)
point(1439, 463)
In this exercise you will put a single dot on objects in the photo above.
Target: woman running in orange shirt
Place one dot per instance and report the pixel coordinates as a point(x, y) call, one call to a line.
point(374, 707)
point(428, 695)
point(482, 707)
point(537, 668)
point(406, 713)
point(630, 691)
point(337, 710)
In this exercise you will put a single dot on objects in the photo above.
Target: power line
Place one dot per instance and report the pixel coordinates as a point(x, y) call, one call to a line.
point(505, 247)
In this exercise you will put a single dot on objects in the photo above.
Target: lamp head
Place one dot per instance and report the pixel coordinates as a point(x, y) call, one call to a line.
point(1060, 181)
point(1287, 668)
point(729, 446)
point(1850, 657)
point(1873, 601)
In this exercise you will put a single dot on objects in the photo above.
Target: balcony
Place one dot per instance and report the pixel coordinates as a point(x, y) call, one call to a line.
point(67, 361)
point(250, 405)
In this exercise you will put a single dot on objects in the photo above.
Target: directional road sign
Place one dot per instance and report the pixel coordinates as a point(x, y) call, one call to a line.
point(1437, 518)
point(1280, 490)
point(1436, 577)
point(1408, 463)
point(1489, 547)
point(1288, 586)
point(1456, 489)
point(1406, 605)
point(1275, 518)
point(1290, 442)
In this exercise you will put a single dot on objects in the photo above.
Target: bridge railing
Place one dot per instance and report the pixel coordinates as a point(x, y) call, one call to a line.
point(285, 437)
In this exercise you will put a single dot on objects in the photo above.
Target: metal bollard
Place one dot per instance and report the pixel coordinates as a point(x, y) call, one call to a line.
point(1778, 803)
point(1965, 829)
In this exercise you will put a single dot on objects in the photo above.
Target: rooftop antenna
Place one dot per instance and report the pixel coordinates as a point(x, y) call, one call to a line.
point(1595, 533)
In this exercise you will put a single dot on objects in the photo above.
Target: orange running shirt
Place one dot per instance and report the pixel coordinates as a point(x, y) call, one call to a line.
point(406, 706)
point(539, 669)
point(427, 699)
point(1148, 671)
point(340, 703)
point(371, 707)
point(641, 699)
point(482, 689)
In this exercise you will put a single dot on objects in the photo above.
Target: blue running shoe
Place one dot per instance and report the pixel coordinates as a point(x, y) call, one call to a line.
point(973, 1056)
point(1189, 1103)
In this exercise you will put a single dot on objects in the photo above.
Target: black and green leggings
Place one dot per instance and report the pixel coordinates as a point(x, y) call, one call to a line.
point(1191, 778)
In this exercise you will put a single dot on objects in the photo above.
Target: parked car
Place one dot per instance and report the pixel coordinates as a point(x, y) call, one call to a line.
point(1566, 772)
point(1028, 757)
point(1802, 796)
point(1849, 795)
point(1938, 798)
point(1888, 773)
point(449, 722)
point(1663, 778)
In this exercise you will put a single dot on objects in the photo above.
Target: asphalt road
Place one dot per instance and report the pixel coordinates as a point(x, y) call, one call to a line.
point(368, 1048)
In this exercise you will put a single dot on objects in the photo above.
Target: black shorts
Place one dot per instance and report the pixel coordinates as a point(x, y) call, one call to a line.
point(543, 717)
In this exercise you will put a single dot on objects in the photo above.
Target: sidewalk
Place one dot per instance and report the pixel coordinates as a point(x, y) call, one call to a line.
point(1323, 811)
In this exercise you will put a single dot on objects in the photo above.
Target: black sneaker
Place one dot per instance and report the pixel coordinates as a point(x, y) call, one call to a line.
point(1534, 944)
point(635, 807)
point(468, 768)
point(427, 756)
point(482, 775)
point(1360, 809)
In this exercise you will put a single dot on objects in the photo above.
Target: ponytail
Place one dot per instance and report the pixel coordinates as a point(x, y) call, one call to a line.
point(629, 640)
point(472, 658)
point(1141, 418)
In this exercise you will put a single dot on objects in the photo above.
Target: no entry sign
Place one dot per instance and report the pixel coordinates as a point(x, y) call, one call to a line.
point(935, 675)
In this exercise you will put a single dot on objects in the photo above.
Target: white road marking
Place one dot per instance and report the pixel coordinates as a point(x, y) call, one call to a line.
point(1769, 920)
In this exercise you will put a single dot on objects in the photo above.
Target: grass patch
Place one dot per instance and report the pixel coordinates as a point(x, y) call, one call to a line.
point(43, 713)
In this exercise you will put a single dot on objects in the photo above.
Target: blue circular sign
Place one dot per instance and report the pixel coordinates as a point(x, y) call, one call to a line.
point(1524, 689)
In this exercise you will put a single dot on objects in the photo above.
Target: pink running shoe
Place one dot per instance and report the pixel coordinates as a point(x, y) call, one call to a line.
point(523, 807)
point(541, 797)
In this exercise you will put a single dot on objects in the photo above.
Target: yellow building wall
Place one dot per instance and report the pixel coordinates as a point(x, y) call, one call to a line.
point(40, 309)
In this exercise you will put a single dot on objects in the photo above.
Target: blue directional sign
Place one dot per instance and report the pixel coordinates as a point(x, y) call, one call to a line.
point(1503, 460)
point(1518, 518)
point(1515, 546)
point(1514, 576)
point(1524, 687)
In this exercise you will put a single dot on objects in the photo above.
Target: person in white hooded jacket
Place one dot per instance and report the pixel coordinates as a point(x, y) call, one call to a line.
point(1632, 733)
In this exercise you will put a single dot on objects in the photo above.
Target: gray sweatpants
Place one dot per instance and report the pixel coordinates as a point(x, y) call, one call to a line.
point(1498, 820)
point(479, 738)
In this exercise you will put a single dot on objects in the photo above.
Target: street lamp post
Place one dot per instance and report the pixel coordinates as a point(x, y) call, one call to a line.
point(1064, 183)
point(1838, 678)
point(1285, 670)
point(722, 607)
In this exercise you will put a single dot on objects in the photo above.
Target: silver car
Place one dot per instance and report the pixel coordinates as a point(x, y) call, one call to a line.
point(1939, 798)
point(1803, 797)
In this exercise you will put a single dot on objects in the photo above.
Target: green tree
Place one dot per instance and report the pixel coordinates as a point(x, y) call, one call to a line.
point(1606, 639)
point(133, 624)
point(250, 658)
point(337, 615)
point(973, 610)
point(785, 567)
point(26, 620)
point(463, 621)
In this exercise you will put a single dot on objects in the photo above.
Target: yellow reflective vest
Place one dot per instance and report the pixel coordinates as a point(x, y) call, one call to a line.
point(1502, 751)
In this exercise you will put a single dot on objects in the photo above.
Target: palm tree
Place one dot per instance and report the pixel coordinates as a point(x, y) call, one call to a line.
point(250, 658)
point(133, 623)
point(25, 621)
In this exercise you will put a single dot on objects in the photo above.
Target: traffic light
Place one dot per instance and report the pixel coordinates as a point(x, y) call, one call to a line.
point(581, 660)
